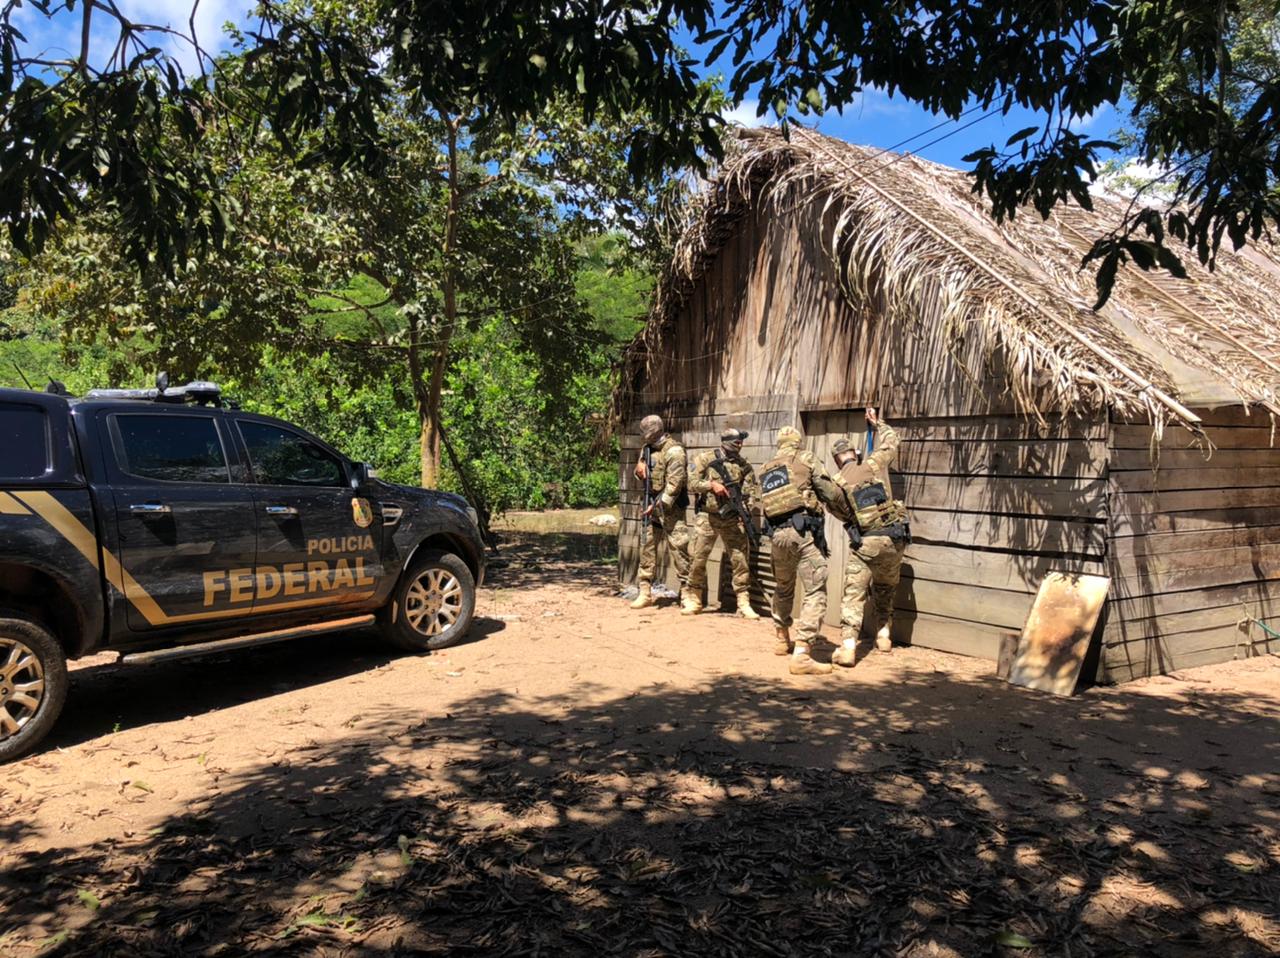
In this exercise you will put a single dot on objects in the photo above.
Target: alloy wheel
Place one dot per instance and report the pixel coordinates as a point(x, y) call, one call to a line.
point(21, 686)
point(433, 602)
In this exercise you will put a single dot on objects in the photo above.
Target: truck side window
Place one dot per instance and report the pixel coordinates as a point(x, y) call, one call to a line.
point(171, 448)
point(283, 458)
point(24, 437)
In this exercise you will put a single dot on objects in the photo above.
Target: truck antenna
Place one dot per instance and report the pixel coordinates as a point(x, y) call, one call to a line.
point(14, 363)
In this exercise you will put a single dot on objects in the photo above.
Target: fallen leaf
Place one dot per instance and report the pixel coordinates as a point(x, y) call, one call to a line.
point(89, 899)
point(1011, 939)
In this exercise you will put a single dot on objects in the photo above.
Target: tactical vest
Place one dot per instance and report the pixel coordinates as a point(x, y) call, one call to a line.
point(658, 477)
point(786, 485)
point(705, 467)
point(874, 511)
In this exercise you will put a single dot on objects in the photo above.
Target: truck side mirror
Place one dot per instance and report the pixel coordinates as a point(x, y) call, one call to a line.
point(361, 472)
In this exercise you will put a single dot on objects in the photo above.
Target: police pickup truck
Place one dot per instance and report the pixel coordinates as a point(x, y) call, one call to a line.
point(163, 522)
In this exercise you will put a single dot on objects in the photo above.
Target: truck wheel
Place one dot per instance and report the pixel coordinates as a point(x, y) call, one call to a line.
point(432, 605)
point(33, 684)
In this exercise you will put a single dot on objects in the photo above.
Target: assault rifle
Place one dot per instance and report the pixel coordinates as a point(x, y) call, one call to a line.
point(646, 515)
point(735, 500)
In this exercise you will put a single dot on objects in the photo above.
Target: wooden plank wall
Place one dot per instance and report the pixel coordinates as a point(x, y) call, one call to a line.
point(995, 503)
point(992, 508)
point(1194, 545)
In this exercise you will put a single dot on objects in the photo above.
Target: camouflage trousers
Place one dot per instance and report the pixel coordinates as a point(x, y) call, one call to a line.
point(876, 566)
point(707, 529)
point(796, 556)
point(668, 525)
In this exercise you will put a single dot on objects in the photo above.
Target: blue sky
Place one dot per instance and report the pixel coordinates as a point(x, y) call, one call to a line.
point(59, 37)
point(878, 120)
point(875, 119)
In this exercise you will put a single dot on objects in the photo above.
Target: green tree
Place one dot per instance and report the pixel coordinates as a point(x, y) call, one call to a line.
point(465, 223)
point(82, 135)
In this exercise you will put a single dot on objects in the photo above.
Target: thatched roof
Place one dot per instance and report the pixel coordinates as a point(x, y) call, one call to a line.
point(1158, 347)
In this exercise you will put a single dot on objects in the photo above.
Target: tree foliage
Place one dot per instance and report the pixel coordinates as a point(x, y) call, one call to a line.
point(523, 445)
point(465, 224)
point(78, 135)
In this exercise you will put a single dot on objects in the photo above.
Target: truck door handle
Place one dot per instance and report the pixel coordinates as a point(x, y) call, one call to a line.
point(150, 509)
point(281, 511)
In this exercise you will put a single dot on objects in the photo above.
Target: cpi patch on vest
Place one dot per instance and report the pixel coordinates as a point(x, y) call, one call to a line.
point(780, 490)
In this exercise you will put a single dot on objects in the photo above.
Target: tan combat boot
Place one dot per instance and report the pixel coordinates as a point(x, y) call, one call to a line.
point(690, 604)
point(645, 598)
point(783, 644)
point(804, 664)
point(883, 642)
point(845, 656)
point(744, 607)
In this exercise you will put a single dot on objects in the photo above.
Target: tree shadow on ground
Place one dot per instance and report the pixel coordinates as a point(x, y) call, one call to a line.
point(581, 559)
point(729, 819)
point(112, 698)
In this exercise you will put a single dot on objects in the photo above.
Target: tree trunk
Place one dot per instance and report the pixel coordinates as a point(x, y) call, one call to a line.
point(429, 415)
point(428, 392)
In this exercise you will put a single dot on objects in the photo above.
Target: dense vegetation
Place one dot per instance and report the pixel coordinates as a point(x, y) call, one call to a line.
point(521, 444)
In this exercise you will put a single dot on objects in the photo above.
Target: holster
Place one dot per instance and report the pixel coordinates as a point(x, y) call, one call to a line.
point(816, 526)
point(855, 535)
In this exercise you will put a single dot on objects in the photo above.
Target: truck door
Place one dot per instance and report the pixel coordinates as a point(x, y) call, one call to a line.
point(188, 534)
point(318, 543)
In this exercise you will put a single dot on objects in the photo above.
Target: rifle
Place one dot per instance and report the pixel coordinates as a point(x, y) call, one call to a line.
point(735, 500)
point(646, 516)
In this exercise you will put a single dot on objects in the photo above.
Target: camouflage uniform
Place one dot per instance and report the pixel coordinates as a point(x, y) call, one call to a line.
point(794, 552)
point(877, 562)
point(712, 523)
point(668, 484)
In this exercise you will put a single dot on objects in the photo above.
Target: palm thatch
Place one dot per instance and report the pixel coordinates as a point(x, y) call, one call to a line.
point(911, 237)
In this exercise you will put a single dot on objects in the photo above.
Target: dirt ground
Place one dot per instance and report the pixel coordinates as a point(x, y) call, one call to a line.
point(577, 778)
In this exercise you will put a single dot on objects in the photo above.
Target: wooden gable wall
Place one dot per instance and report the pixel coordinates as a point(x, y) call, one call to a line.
point(767, 339)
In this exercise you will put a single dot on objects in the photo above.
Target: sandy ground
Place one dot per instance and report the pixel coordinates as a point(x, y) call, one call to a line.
point(578, 778)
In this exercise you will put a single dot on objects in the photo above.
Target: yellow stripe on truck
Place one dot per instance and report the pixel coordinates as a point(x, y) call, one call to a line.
point(73, 530)
point(10, 506)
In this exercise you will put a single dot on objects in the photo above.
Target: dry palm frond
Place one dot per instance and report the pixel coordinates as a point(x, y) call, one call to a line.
point(911, 238)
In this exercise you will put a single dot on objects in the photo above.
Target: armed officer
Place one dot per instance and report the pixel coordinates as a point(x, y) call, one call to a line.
point(794, 487)
point(878, 535)
point(722, 482)
point(665, 515)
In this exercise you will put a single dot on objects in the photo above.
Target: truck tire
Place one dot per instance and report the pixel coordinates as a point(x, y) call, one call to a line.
point(432, 605)
point(33, 683)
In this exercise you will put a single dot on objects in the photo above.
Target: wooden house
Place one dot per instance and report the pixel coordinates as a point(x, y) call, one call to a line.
point(815, 278)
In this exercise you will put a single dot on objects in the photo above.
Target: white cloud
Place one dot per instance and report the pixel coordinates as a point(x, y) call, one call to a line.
point(744, 114)
point(176, 15)
point(1082, 124)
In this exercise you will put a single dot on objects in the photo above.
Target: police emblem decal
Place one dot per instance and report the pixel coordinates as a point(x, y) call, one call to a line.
point(362, 513)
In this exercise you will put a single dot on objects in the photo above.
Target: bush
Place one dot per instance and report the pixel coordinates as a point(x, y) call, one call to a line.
point(596, 488)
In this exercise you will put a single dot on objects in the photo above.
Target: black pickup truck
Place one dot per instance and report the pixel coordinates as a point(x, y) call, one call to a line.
point(162, 522)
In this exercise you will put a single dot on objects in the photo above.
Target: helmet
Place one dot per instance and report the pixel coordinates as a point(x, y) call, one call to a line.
point(789, 436)
point(731, 439)
point(651, 428)
point(844, 449)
